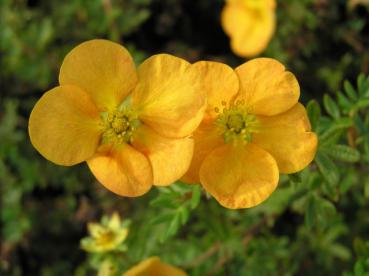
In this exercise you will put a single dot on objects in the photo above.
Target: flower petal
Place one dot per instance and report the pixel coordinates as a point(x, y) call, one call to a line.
point(288, 139)
point(64, 126)
point(169, 96)
point(250, 29)
point(102, 68)
point(122, 170)
point(169, 158)
point(266, 87)
point(239, 177)
point(221, 85)
point(206, 139)
point(154, 267)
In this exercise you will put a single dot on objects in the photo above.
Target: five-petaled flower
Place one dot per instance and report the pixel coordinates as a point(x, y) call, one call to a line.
point(154, 267)
point(107, 236)
point(253, 129)
point(250, 25)
point(131, 127)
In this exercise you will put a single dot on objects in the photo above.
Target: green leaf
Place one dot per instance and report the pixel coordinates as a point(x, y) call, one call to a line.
point(350, 91)
point(344, 102)
point(313, 110)
point(361, 83)
point(310, 212)
point(196, 196)
point(184, 214)
point(173, 227)
point(366, 188)
point(343, 153)
point(327, 167)
point(331, 107)
point(331, 137)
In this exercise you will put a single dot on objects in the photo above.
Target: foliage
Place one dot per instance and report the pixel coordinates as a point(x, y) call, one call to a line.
point(315, 223)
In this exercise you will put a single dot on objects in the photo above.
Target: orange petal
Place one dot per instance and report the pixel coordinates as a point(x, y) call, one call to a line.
point(221, 85)
point(239, 177)
point(266, 87)
point(154, 267)
point(64, 126)
point(169, 158)
point(169, 96)
point(288, 138)
point(102, 68)
point(250, 28)
point(206, 139)
point(122, 170)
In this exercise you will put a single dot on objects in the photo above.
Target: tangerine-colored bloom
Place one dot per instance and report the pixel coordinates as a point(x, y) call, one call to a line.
point(130, 126)
point(250, 25)
point(106, 236)
point(154, 267)
point(253, 129)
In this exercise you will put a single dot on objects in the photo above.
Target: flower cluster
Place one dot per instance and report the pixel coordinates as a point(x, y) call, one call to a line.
point(233, 131)
point(109, 236)
point(106, 236)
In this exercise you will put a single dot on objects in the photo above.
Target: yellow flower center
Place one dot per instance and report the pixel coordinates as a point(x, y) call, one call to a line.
point(105, 236)
point(119, 125)
point(236, 123)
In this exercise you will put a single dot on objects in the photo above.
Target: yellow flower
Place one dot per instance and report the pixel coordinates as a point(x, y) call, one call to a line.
point(154, 267)
point(131, 127)
point(106, 236)
point(250, 25)
point(253, 129)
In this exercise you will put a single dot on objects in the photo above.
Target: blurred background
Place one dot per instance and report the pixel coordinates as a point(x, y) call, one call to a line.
point(316, 223)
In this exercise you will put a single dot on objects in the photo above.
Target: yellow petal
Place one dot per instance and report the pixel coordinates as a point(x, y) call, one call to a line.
point(221, 85)
point(169, 96)
point(169, 158)
point(206, 139)
point(239, 177)
point(249, 26)
point(114, 222)
point(266, 87)
point(102, 68)
point(122, 170)
point(154, 267)
point(95, 229)
point(64, 126)
point(288, 139)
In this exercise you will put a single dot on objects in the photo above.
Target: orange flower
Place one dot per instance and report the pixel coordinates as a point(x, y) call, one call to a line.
point(154, 267)
point(250, 25)
point(253, 129)
point(131, 127)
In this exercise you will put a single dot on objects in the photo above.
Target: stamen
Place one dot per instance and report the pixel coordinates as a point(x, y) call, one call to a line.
point(119, 126)
point(236, 123)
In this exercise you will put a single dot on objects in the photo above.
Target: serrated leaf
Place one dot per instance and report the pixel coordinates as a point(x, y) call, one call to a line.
point(313, 110)
point(328, 169)
point(331, 107)
point(350, 91)
point(343, 153)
